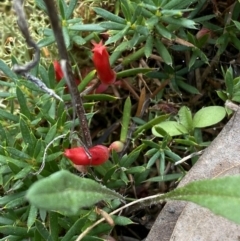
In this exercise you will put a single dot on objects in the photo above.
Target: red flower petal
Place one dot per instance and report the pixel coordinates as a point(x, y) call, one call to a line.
point(101, 62)
point(58, 70)
point(59, 73)
point(78, 155)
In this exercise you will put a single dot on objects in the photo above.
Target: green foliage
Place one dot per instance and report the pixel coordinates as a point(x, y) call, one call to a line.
point(71, 26)
point(146, 21)
point(67, 193)
point(125, 120)
point(232, 91)
point(219, 195)
point(186, 124)
point(40, 197)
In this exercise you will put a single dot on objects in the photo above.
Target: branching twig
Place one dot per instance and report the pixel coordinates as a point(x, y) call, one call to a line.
point(147, 201)
point(23, 26)
point(76, 99)
point(45, 153)
point(189, 157)
point(24, 69)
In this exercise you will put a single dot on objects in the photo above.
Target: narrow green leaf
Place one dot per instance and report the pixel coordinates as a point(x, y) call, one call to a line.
point(44, 75)
point(237, 24)
point(234, 39)
point(63, 8)
point(112, 25)
point(122, 221)
point(8, 116)
point(127, 160)
point(150, 23)
point(174, 157)
point(162, 50)
point(162, 163)
point(118, 36)
point(151, 143)
point(133, 72)
point(136, 14)
point(78, 40)
point(6, 160)
point(222, 43)
point(46, 41)
point(133, 170)
point(74, 229)
point(220, 195)
point(7, 198)
point(165, 178)
point(27, 136)
point(23, 103)
point(229, 82)
point(89, 77)
point(208, 116)
point(7, 71)
point(41, 5)
point(142, 30)
point(150, 124)
point(185, 117)
point(153, 159)
point(134, 56)
point(182, 22)
point(100, 97)
point(51, 134)
point(126, 9)
point(33, 211)
point(66, 37)
point(18, 154)
point(222, 94)
point(173, 128)
point(54, 226)
point(43, 231)
point(175, 4)
point(126, 120)
point(6, 221)
point(162, 30)
point(148, 46)
point(193, 58)
point(71, 7)
point(86, 27)
point(51, 81)
point(186, 142)
point(109, 16)
point(15, 203)
point(134, 40)
point(18, 231)
point(189, 88)
point(23, 173)
point(68, 193)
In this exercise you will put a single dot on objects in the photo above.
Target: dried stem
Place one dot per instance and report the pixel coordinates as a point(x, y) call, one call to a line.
point(76, 98)
point(147, 201)
point(24, 69)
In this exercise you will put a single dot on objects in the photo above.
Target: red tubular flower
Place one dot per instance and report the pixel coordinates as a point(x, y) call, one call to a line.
point(78, 155)
point(58, 70)
point(59, 73)
point(101, 62)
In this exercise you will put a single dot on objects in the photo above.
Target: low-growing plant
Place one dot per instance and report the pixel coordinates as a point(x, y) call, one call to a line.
point(56, 184)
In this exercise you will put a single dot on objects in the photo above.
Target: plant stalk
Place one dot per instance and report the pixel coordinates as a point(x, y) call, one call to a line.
point(76, 98)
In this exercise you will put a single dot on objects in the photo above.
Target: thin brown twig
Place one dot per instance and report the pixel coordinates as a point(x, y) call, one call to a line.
point(145, 201)
point(76, 98)
point(163, 84)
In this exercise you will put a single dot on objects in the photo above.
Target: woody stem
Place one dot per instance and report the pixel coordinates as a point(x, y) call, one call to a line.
point(76, 98)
